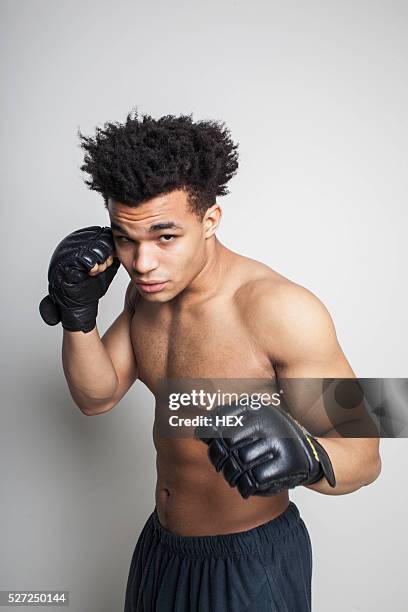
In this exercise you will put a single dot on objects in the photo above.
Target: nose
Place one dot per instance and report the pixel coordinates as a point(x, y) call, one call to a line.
point(144, 259)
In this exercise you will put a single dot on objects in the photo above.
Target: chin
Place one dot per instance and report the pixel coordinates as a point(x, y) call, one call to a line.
point(160, 296)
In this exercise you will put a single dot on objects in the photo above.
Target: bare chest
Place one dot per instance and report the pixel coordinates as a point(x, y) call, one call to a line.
point(211, 343)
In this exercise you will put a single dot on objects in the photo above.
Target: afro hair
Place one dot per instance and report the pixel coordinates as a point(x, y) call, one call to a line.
point(145, 157)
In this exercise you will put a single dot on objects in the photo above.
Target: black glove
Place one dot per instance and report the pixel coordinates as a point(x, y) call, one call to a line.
point(73, 294)
point(270, 452)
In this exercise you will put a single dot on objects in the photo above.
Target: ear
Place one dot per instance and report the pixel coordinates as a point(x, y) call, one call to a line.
point(211, 220)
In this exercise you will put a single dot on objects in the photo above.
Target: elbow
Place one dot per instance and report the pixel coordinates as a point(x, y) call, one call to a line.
point(375, 470)
point(94, 410)
point(91, 406)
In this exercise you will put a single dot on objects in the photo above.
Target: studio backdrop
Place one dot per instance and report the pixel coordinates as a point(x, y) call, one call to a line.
point(315, 93)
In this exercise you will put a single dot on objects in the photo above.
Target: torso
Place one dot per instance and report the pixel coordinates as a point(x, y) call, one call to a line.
point(208, 340)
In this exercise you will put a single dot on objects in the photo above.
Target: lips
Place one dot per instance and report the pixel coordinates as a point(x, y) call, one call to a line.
point(151, 286)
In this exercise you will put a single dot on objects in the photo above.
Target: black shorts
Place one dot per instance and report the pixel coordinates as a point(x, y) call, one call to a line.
point(268, 568)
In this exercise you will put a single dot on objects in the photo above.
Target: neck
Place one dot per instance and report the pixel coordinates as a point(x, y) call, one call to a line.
point(210, 278)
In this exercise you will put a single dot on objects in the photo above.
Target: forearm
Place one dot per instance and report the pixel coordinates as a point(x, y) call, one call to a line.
point(88, 369)
point(356, 463)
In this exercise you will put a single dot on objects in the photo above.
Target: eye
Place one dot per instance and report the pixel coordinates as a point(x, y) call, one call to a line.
point(167, 237)
point(122, 239)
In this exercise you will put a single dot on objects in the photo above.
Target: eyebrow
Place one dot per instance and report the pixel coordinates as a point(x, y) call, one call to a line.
point(156, 227)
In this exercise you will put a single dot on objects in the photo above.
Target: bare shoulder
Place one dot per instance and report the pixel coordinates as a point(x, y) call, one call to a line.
point(279, 299)
point(281, 314)
point(265, 291)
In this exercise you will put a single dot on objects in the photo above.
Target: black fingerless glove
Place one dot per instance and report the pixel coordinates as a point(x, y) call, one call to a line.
point(270, 451)
point(73, 295)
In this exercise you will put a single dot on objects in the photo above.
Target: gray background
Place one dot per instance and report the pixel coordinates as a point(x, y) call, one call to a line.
point(316, 94)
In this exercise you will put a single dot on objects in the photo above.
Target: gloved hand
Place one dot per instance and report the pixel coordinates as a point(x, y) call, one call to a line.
point(270, 452)
point(73, 293)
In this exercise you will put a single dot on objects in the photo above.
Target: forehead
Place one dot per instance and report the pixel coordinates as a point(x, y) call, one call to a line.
point(172, 206)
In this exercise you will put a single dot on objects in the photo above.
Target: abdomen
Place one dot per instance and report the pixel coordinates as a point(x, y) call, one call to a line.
point(193, 499)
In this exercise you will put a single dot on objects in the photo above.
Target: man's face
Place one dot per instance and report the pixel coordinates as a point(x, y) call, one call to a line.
point(161, 243)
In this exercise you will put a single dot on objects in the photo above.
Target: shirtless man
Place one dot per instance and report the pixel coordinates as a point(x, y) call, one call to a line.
point(195, 309)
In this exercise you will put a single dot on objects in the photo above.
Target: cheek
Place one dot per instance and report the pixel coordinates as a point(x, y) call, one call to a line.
point(190, 247)
point(187, 261)
point(179, 258)
point(125, 258)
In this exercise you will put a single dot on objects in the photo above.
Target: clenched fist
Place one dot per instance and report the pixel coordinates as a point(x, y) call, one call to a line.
point(81, 269)
point(267, 451)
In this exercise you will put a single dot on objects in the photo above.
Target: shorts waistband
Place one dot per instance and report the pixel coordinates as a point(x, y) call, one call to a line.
point(254, 540)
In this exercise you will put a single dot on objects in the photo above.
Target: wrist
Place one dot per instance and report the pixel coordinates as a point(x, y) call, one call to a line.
point(81, 318)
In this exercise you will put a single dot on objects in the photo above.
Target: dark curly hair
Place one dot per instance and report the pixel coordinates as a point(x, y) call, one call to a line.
point(143, 158)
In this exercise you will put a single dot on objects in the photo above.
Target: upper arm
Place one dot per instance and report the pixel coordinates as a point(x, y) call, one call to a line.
point(118, 343)
point(296, 331)
point(303, 341)
point(300, 339)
